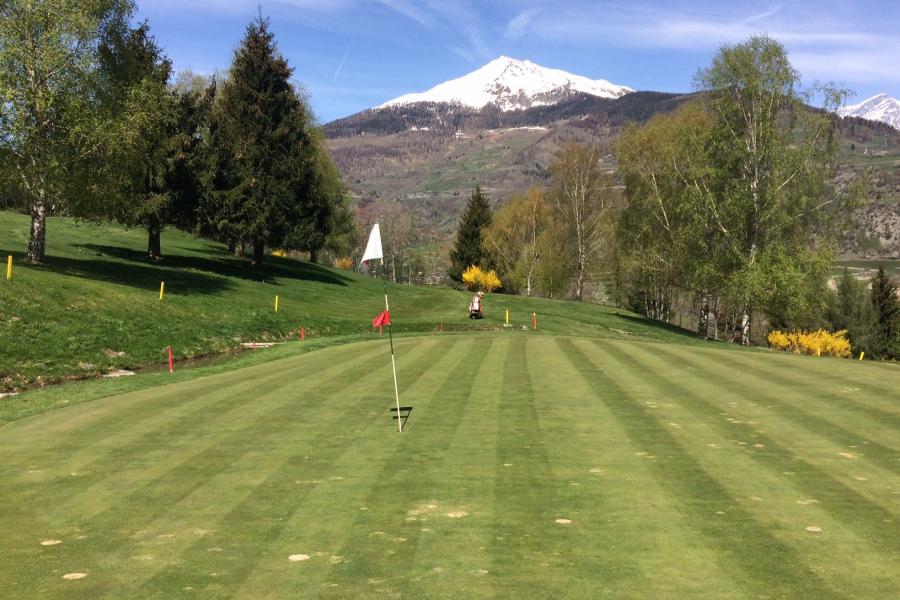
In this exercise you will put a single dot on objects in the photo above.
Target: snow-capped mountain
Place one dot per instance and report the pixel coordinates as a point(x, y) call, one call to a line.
point(877, 108)
point(512, 84)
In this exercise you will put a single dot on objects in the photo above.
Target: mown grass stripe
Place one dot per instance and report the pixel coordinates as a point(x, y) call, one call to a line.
point(847, 505)
point(884, 457)
point(525, 532)
point(765, 560)
point(773, 372)
point(260, 517)
point(156, 497)
point(614, 499)
point(137, 447)
point(408, 478)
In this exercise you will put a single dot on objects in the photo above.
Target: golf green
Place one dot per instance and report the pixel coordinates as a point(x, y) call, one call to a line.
point(530, 466)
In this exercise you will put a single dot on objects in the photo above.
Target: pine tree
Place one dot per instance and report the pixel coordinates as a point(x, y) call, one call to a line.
point(469, 249)
point(265, 169)
point(886, 343)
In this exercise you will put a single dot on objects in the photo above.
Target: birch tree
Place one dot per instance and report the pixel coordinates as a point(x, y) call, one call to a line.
point(515, 239)
point(584, 196)
point(50, 122)
point(774, 158)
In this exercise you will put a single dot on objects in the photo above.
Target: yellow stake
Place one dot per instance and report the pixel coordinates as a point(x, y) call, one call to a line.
point(507, 316)
point(818, 352)
point(162, 289)
point(9, 267)
point(276, 302)
point(861, 354)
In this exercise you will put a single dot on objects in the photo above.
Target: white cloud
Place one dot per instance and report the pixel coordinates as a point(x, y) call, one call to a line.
point(519, 24)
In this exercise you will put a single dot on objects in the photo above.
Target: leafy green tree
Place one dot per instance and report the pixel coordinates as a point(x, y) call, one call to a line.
point(516, 239)
point(584, 195)
point(850, 307)
point(470, 248)
point(768, 199)
point(886, 326)
point(51, 122)
point(263, 158)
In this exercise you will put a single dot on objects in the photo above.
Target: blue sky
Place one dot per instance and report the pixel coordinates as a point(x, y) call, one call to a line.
point(354, 54)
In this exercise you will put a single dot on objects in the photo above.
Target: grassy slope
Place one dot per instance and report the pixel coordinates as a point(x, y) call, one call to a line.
point(96, 296)
point(687, 471)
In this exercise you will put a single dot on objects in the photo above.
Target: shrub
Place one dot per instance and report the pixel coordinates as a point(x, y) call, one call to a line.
point(344, 263)
point(814, 343)
point(477, 279)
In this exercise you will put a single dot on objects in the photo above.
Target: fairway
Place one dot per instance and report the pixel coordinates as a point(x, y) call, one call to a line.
point(531, 466)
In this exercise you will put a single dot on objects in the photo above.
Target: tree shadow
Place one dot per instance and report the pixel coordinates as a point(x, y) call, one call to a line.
point(142, 275)
point(650, 323)
point(224, 264)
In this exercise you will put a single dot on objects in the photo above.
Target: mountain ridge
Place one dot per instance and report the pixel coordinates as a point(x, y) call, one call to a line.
point(880, 107)
point(511, 84)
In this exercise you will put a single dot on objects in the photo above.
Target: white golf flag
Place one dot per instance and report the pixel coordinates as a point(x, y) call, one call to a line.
point(373, 248)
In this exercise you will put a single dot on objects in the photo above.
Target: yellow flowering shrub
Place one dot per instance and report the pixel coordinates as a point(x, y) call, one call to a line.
point(476, 278)
point(815, 343)
point(343, 263)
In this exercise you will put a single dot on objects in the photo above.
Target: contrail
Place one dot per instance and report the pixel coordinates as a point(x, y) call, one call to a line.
point(347, 51)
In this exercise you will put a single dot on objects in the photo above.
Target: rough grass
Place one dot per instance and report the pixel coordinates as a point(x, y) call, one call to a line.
point(94, 305)
point(532, 466)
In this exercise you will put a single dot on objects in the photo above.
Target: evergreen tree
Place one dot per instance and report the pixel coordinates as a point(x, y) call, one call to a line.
point(469, 249)
point(263, 167)
point(886, 334)
point(850, 307)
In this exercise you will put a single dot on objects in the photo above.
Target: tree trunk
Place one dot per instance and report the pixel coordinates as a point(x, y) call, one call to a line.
point(154, 242)
point(703, 326)
point(259, 252)
point(314, 256)
point(745, 328)
point(36, 243)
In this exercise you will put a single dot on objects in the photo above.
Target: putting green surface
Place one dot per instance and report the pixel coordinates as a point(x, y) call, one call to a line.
point(531, 466)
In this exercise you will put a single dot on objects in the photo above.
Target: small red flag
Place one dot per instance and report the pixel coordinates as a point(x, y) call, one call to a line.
point(382, 319)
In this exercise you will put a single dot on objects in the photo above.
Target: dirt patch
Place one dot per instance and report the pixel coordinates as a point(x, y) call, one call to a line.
point(74, 575)
point(298, 557)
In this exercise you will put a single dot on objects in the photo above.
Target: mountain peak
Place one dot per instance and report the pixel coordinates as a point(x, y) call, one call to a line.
point(879, 107)
point(512, 84)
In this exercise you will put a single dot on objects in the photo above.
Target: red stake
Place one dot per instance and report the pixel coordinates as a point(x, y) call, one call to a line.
point(171, 366)
point(302, 333)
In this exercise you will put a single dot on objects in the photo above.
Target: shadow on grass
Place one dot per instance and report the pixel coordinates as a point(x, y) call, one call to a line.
point(145, 276)
point(648, 323)
point(131, 267)
point(403, 415)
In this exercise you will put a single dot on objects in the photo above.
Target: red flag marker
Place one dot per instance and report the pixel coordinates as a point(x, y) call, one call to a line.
point(382, 319)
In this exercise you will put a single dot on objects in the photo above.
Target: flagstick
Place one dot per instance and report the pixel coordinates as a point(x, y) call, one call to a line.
point(391, 338)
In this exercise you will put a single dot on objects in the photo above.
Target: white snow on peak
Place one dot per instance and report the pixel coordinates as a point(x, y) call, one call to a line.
point(880, 107)
point(512, 84)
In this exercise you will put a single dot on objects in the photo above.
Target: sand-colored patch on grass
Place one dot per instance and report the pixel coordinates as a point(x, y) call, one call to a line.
point(74, 575)
point(457, 514)
point(564, 521)
point(598, 471)
point(848, 455)
point(298, 557)
point(814, 529)
point(808, 501)
point(51, 542)
point(335, 559)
